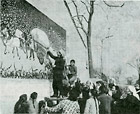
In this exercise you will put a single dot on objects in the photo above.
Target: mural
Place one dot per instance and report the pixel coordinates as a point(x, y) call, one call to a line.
point(25, 28)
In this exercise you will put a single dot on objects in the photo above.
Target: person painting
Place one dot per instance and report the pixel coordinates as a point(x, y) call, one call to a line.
point(72, 74)
point(57, 72)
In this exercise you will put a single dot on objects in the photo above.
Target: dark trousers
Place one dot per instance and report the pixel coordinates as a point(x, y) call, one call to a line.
point(57, 87)
point(82, 104)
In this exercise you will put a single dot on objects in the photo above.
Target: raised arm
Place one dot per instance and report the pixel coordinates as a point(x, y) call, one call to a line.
point(51, 55)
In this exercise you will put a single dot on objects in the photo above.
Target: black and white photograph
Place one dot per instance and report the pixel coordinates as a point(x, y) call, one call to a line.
point(70, 57)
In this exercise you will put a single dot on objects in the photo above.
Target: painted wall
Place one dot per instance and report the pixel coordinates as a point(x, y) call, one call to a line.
point(19, 14)
point(117, 51)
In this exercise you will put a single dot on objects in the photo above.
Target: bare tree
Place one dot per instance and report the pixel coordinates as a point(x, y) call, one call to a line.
point(79, 20)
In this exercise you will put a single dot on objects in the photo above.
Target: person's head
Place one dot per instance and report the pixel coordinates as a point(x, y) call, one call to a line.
point(78, 80)
point(23, 97)
point(99, 83)
point(137, 86)
point(111, 86)
point(128, 92)
point(93, 85)
point(88, 83)
point(72, 62)
point(33, 96)
point(60, 53)
point(131, 90)
point(103, 90)
point(114, 88)
point(92, 93)
point(24, 35)
point(41, 105)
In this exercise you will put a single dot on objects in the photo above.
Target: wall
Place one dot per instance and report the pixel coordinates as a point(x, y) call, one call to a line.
point(19, 14)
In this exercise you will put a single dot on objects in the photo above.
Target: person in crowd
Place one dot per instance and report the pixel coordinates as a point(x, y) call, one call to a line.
point(116, 94)
point(72, 74)
point(21, 105)
point(111, 88)
point(129, 102)
point(85, 96)
point(98, 85)
point(57, 72)
point(137, 87)
point(41, 107)
point(66, 88)
point(86, 89)
point(133, 91)
point(92, 106)
point(33, 104)
point(105, 101)
point(67, 106)
point(51, 102)
point(78, 85)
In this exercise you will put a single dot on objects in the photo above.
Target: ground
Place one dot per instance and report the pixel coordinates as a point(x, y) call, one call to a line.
point(11, 89)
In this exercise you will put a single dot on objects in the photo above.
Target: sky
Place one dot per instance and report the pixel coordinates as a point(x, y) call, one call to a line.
point(124, 24)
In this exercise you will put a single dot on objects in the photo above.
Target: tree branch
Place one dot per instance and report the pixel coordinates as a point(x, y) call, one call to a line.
point(82, 26)
point(91, 7)
point(74, 23)
point(85, 18)
point(110, 5)
point(81, 16)
point(109, 36)
point(91, 13)
point(85, 6)
point(132, 65)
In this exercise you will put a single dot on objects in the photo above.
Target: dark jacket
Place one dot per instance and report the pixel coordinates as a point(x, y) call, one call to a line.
point(131, 105)
point(105, 104)
point(21, 107)
point(59, 66)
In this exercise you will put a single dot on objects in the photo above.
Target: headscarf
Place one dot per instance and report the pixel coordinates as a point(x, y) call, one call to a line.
point(23, 97)
point(62, 52)
point(133, 90)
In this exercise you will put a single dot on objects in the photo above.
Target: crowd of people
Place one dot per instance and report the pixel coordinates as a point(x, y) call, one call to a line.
point(85, 98)
point(71, 96)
